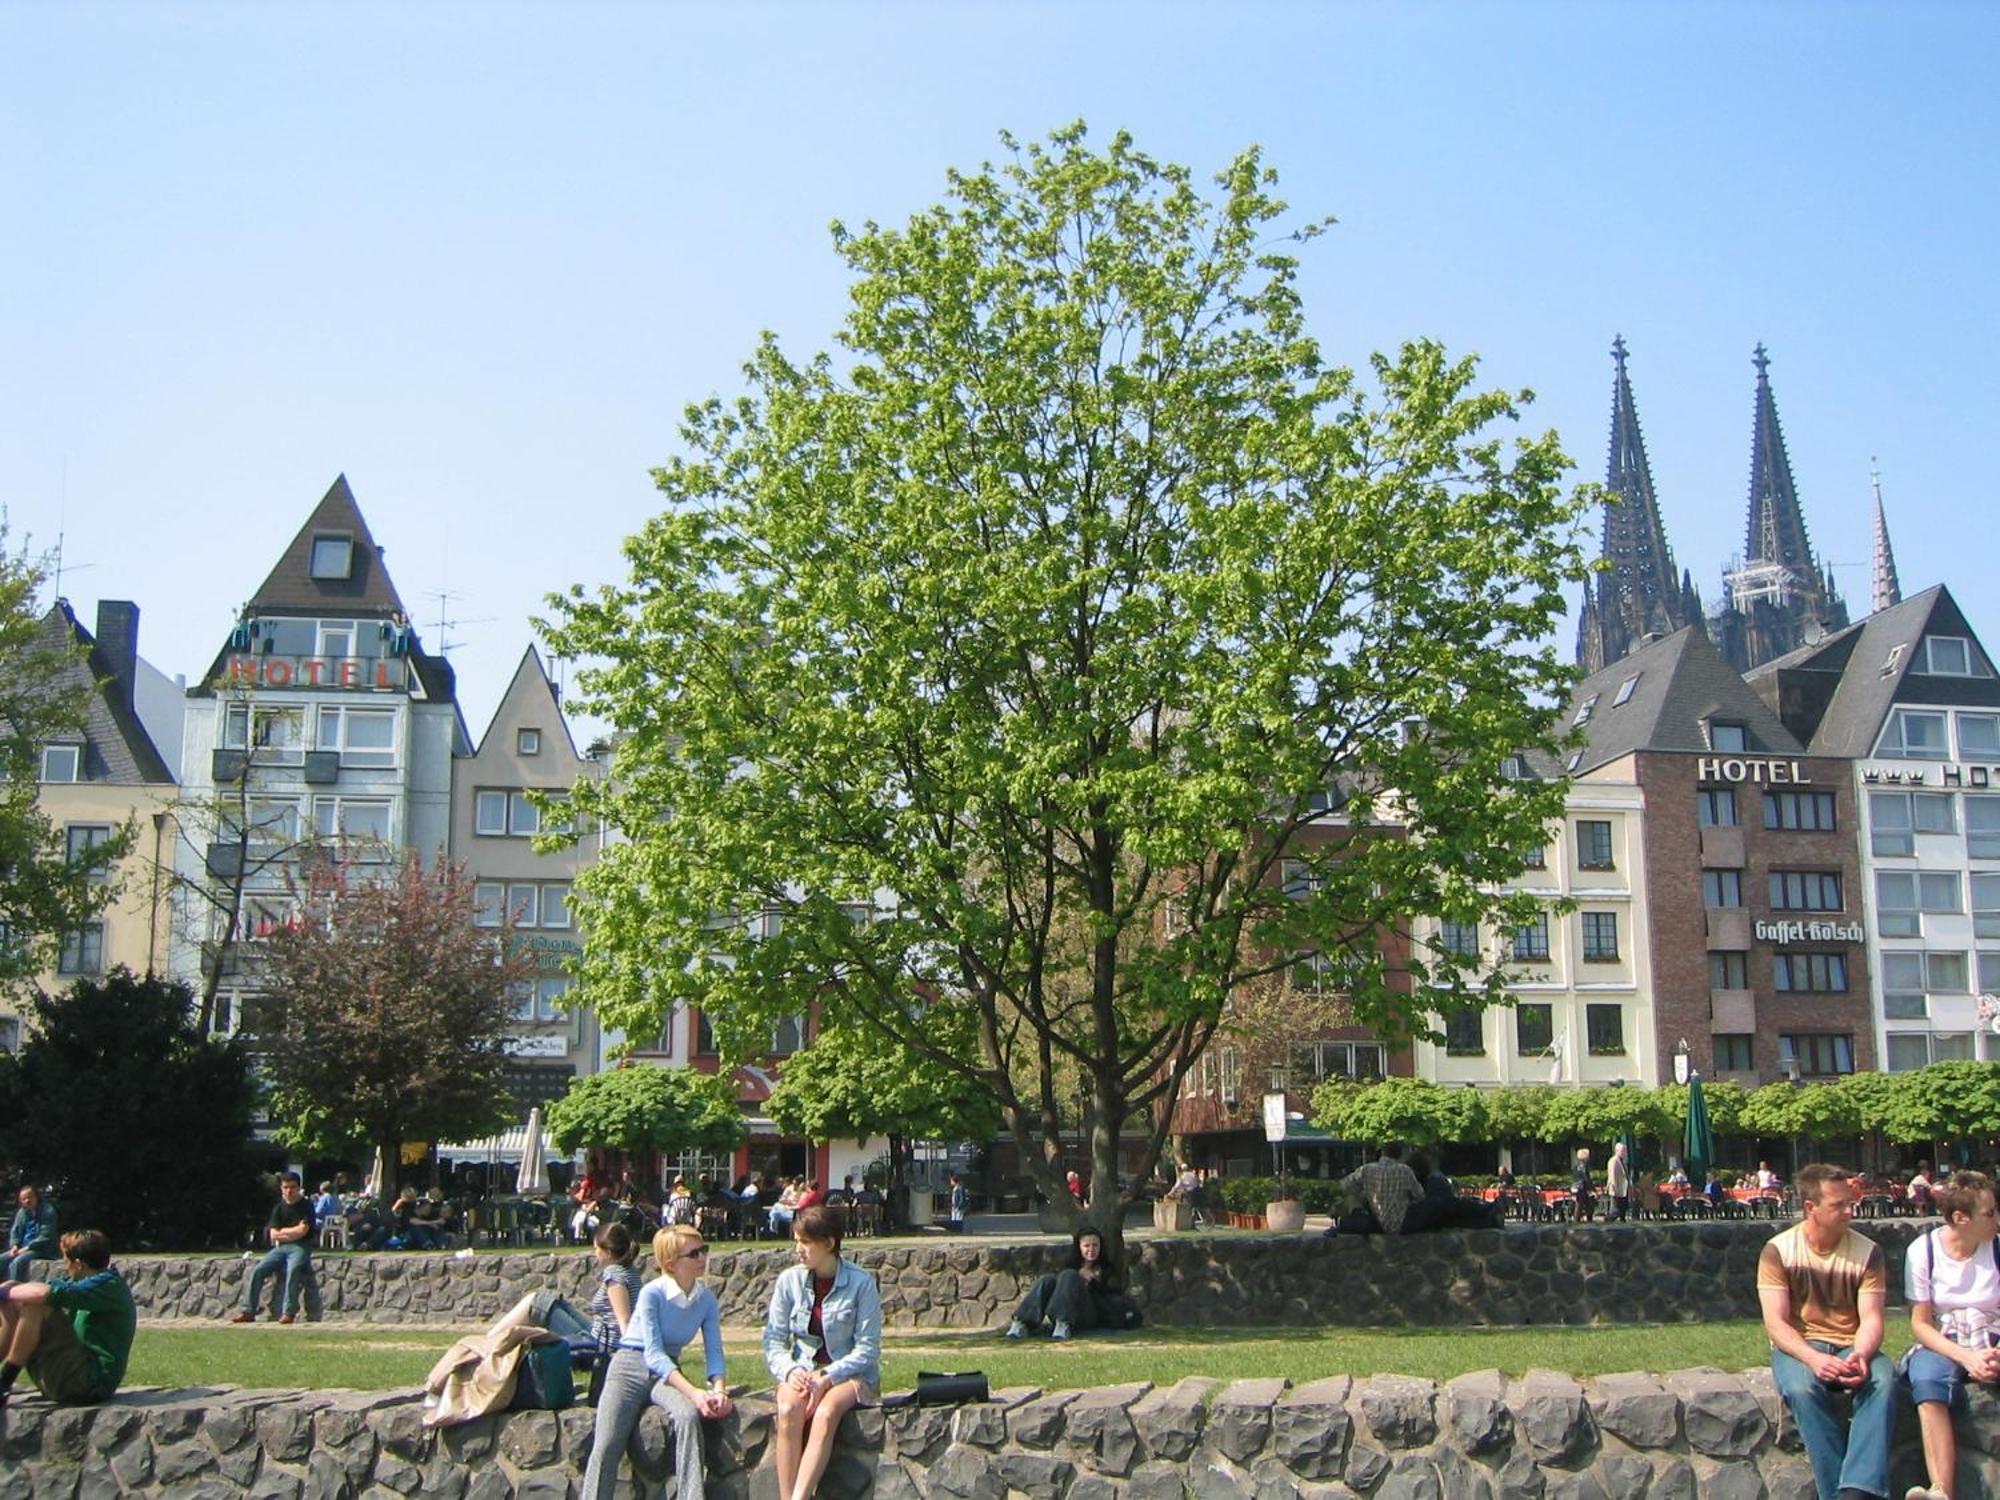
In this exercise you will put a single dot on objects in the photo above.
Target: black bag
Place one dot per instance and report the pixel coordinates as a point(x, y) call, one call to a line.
point(934, 1389)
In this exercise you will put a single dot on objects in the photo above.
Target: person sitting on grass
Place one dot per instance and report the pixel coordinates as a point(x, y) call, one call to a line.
point(32, 1236)
point(73, 1335)
point(670, 1311)
point(823, 1346)
point(1952, 1283)
point(1089, 1293)
point(290, 1232)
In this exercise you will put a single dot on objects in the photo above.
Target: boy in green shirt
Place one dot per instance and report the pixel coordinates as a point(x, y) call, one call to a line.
point(73, 1334)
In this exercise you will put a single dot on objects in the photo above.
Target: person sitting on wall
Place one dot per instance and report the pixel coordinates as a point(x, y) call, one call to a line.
point(1952, 1283)
point(1382, 1192)
point(290, 1231)
point(32, 1236)
point(1441, 1207)
point(424, 1229)
point(73, 1335)
point(1089, 1293)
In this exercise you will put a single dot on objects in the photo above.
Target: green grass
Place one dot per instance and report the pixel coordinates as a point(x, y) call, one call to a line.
point(395, 1358)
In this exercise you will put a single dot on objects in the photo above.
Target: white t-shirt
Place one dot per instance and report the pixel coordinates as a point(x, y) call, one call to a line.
point(1964, 1294)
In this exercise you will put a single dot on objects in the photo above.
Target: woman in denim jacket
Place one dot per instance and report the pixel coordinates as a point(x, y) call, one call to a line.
point(823, 1343)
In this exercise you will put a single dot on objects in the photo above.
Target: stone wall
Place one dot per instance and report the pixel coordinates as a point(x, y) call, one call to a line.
point(1480, 1437)
point(1540, 1274)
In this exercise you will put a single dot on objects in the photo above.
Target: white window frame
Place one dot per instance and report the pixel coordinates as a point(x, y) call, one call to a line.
point(1982, 827)
point(80, 945)
point(489, 813)
point(1944, 646)
point(328, 629)
point(1989, 727)
point(336, 723)
point(1895, 742)
point(245, 728)
point(330, 820)
point(527, 742)
point(53, 757)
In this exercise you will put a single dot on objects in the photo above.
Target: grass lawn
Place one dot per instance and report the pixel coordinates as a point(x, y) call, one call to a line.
point(265, 1355)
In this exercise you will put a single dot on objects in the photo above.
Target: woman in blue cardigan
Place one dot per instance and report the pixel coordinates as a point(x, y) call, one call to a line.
point(823, 1343)
point(671, 1310)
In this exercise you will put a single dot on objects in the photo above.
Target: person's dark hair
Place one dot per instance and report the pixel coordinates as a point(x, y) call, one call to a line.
point(1961, 1194)
point(1421, 1165)
point(1104, 1257)
point(617, 1239)
point(1812, 1180)
point(87, 1247)
point(291, 1177)
point(822, 1223)
point(1393, 1150)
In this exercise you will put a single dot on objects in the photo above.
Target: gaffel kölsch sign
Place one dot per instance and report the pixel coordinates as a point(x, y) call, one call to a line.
point(1809, 932)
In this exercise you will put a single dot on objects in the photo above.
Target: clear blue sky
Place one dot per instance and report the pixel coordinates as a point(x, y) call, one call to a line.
point(478, 257)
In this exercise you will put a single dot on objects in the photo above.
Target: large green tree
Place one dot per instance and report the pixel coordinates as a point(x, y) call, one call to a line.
point(1045, 618)
point(648, 1110)
point(136, 1118)
point(1401, 1109)
point(385, 1009)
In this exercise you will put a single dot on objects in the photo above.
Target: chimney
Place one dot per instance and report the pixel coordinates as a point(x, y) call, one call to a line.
point(118, 646)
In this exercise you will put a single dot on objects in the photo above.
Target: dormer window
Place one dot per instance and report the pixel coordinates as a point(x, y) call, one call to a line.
point(1946, 656)
point(62, 762)
point(332, 557)
point(1727, 738)
point(1625, 689)
point(1584, 710)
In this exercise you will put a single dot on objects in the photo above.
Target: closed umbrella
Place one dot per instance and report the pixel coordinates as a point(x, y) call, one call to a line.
point(532, 1181)
point(378, 1177)
point(1698, 1142)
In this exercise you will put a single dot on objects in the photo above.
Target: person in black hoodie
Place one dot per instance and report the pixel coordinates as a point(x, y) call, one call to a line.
point(1089, 1293)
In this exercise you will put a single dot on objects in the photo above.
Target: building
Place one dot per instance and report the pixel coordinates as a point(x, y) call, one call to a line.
point(96, 781)
point(322, 721)
point(526, 750)
point(1909, 698)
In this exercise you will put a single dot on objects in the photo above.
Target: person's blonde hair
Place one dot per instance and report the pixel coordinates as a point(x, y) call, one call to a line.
point(671, 1243)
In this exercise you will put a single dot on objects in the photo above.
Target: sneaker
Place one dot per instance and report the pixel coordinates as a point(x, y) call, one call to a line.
point(1016, 1329)
point(1923, 1492)
point(242, 1317)
point(287, 1320)
point(1062, 1331)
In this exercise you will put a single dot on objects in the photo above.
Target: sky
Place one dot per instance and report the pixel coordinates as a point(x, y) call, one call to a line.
point(479, 257)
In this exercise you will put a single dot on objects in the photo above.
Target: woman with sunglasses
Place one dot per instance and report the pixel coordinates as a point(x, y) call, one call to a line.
point(823, 1343)
point(671, 1310)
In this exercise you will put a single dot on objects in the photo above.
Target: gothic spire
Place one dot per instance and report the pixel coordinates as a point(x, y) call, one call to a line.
point(1887, 590)
point(1639, 593)
point(1777, 530)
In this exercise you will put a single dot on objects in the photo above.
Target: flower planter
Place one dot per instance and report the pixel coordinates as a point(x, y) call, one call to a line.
point(1287, 1216)
point(1172, 1215)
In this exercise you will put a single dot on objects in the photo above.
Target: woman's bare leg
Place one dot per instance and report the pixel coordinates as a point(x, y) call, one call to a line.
point(1940, 1445)
point(788, 1438)
point(826, 1419)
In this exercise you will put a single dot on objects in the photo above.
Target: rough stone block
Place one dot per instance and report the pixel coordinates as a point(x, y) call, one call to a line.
point(1098, 1430)
point(967, 1473)
point(1170, 1421)
point(1038, 1423)
point(1719, 1414)
point(1310, 1428)
point(1239, 1423)
point(1637, 1409)
point(1412, 1477)
point(1039, 1476)
point(1398, 1410)
point(1549, 1412)
point(1476, 1417)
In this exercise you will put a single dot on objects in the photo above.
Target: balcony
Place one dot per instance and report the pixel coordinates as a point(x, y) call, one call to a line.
point(1728, 927)
point(1732, 1011)
point(1722, 848)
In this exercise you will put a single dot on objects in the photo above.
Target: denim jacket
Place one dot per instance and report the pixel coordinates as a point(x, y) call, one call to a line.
point(851, 1316)
point(34, 1232)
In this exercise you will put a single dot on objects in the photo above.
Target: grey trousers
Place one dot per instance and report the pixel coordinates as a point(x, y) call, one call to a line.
point(628, 1386)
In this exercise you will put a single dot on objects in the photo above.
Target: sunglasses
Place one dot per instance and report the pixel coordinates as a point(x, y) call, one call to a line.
point(699, 1252)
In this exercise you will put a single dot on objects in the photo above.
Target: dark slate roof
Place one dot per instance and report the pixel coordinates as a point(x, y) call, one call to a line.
point(1861, 672)
point(291, 588)
point(1682, 682)
point(117, 748)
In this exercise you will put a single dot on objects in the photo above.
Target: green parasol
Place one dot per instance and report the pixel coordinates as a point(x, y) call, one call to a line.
point(1698, 1142)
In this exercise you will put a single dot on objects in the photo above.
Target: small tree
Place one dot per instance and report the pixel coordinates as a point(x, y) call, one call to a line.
point(1401, 1109)
point(385, 1010)
point(850, 1084)
point(137, 1120)
point(645, 1111)
point(1945, 1101)
point(1602, 1114)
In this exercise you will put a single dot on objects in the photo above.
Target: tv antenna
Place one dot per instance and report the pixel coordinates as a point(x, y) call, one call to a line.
point(445, 599)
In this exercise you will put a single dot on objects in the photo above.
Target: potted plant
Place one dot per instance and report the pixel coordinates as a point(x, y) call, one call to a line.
point(1285, 1214)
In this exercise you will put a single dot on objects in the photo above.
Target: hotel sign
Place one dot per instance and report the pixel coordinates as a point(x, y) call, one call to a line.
point(1809, 932)
point(353, 673)
point(1763, 772)
point(1947, 775)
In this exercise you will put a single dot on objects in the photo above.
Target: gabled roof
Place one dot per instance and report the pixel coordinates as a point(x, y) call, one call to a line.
point(117, 747)
point(1865, 670)
point(291, 588)
point(530, 702)
point(1681, 682)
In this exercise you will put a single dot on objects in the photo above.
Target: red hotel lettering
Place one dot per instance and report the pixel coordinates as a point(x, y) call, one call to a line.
point(348, 672)
point(278, 672)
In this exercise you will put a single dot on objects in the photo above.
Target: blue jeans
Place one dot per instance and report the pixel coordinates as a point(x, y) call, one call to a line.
point(1854, 1455)
point(21, 1265)
point(293, 1260)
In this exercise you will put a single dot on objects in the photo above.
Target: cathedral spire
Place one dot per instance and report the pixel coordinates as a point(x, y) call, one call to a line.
point(1777, 530)
point(1639, 593)
point(1886, 590)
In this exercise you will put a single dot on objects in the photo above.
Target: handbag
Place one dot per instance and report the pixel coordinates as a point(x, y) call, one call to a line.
point(546, 1380)
point(934, 1389)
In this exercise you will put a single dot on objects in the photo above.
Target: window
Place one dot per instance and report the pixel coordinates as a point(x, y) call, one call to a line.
point(527, 742)
point(1814, 973)
point(704, 1036)
point(1729, 970)
point(1810, 812)
point(790, 1034)
point(541, 999)
point(1720, 888)
point(498, 814)
point(1989, 973)
point(1604, 1025)
point(80, 838)
point(62, 762)
point(1309, 972)
point(1817, 1055)
point(10, 1033)
point(1900, 895)
point(1531, 939)
point(1944, 656)
point(273, 821)
point(1985, 908)
point(1724, 735)
point(1715, 807)
point(1600, 937)
point(1982, 827)
point(1537, 858)
point(1895, 818)
point(1914, 734)
point(1301, 880)
point(1593, 844)
point(336, 638)
point(1361, 1062)
point(1575, 760)
point(489, 903)
point(275, 731)
point(1908, 1051)
point(360, 820)
point(1903, 987)
point(1459, 938)
point(1534, 1029)
point(332, 557)
point(82, 950)
point(489, 813)
point(1733, 1052)
point(1464, 1034)
point(1805, 890)
point(1584, 710)
point(1978, 735)
point(362, 736)
point(1625, 690)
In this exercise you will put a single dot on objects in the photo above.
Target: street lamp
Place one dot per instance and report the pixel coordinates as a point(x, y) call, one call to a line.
point(1682, 1063)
